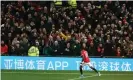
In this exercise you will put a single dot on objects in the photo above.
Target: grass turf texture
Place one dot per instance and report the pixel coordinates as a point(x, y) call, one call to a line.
point(63, 75)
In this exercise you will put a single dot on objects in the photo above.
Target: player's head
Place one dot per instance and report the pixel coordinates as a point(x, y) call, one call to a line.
point(83, 46)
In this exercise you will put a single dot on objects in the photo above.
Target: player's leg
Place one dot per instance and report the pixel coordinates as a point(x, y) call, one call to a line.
point(93, 69)
point(90, 65)
point(81, 70)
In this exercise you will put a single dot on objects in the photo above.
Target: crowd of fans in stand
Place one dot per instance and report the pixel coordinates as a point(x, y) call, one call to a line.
point(106, 28)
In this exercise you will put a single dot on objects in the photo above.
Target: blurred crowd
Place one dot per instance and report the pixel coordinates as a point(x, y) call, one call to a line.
point(106, 27)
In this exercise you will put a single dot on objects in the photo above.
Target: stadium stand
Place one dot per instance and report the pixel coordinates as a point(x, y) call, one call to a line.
point(106, 27)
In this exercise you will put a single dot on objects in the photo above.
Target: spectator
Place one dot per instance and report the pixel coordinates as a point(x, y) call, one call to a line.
point(47, 50)
point(130, 51)
point(118, 52)
point(109, 51)
point(25, 46)
point(33, 50)
point(56, 49)
point(15, 41)
point(4, 48)
point(61, 43)
point(76, 48)
point(92, 49)
point(68, 50)
point(37, 44)
point(100, 50)
point(17, 49)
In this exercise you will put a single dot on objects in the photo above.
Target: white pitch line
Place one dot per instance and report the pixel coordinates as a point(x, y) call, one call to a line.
point(82, 78)
point(38, 73)
point(57, 73)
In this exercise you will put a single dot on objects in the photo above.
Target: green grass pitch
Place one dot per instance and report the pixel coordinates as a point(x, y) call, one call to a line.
point(63, 75)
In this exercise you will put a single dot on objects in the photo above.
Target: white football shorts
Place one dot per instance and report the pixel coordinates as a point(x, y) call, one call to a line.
point(86, 63)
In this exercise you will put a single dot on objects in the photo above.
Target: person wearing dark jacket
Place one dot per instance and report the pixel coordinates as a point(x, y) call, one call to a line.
point(56, 49)
point(68, 50)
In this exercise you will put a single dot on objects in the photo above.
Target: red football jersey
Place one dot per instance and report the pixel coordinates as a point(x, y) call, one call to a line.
point(85, 56)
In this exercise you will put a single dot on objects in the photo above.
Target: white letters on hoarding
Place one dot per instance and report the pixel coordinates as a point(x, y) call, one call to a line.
point(126, 66)
point(8, 63)
point(57, 64)
point(50, 66)
point(111, 66)
point(64, 64)
point(94, 64)
point(114, 66)
point(40, 64)
point(67, 64)
point(78, 63)
point(103, 66)
point(19, 64)
point(30, 64)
